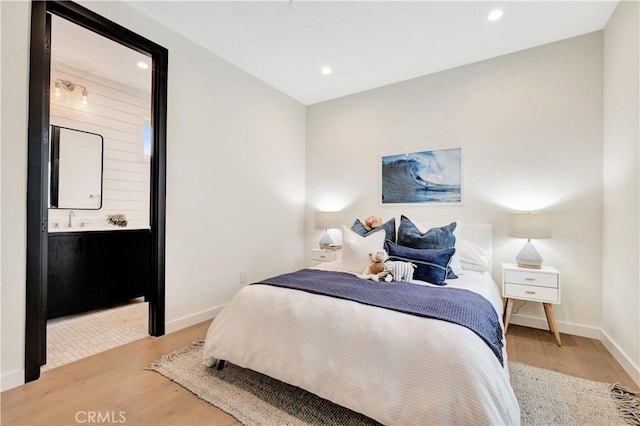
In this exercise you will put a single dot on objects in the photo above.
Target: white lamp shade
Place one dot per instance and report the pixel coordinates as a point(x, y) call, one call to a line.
point(529, 225)
point(327, 220)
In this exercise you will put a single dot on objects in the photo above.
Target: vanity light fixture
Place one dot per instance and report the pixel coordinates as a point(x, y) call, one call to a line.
point(57, 93)
point(326, 70)
point(495, 15)
point(67, 87)
point(84, 100)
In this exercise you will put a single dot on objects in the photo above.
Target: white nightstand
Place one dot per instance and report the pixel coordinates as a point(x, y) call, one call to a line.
point(319, 255)
point(537, 285)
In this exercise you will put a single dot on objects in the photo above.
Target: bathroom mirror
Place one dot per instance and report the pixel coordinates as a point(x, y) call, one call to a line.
point(75, 169)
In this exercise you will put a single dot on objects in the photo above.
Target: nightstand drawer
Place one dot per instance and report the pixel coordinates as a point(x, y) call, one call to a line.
point(519, 291)
point(323, 255)
point(531, 278)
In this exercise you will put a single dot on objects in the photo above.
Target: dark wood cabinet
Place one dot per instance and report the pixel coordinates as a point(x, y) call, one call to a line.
point(95, 269)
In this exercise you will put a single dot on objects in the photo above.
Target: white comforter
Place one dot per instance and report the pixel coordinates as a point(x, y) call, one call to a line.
point(396, 368)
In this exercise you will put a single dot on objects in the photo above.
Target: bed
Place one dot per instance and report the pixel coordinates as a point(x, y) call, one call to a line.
point(394, 367)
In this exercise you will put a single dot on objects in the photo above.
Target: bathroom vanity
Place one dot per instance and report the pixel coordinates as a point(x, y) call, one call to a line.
point(95, 269)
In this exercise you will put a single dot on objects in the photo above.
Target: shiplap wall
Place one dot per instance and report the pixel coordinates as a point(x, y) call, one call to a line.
point(118, 113)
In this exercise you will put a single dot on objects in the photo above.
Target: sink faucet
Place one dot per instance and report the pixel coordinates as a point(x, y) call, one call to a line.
point(71, 214)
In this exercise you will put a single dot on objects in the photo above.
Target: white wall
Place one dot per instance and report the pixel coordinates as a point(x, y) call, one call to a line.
point(621, 239)
point(14, 95)
point(530, 125)
point(117, 113)
point(235, 177)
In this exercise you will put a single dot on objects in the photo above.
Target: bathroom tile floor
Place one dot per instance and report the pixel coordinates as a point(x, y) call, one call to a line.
point(74, 337)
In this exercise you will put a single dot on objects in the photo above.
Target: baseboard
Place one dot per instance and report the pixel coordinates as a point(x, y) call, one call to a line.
point(629, 366)
point(11, 380)
point(192, 319)
point(563, 327)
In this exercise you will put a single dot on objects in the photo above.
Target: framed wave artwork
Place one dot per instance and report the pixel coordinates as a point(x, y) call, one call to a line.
point(431, 177)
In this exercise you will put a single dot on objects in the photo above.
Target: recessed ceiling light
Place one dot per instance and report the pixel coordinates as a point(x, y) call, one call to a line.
point(495, 15)
point(326, 70)
point(143, 65)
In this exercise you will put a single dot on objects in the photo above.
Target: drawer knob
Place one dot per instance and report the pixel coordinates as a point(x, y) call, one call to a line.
point(530, 292)
point(529, 278)
point(322, 256)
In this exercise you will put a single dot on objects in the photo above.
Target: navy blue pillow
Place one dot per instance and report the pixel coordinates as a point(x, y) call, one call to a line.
point(434, 239)
point(432, 264)
point(389, 227)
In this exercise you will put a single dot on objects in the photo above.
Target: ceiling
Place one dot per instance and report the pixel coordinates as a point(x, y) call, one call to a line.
point(368, 44)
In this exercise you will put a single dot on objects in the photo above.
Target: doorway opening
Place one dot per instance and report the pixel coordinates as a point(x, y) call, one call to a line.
point(54, 78)
point(99, 113)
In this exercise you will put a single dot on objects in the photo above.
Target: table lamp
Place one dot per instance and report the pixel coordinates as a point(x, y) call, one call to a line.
point(529, 226)
point(326, 221)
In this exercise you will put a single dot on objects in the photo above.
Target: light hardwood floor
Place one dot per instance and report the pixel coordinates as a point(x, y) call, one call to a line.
point(116, 381)
point(578, 356)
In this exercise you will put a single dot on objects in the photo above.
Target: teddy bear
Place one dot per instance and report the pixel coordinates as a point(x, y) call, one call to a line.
point(377, 261)
point(372, 222)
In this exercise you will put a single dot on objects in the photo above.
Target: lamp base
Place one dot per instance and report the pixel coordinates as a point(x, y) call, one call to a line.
point(529, 257)
point(522, 265)
point(326, 240)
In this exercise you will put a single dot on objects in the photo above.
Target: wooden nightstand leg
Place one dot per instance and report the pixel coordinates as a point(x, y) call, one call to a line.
point(546, 312)
point(507, 314)
point(551, 319)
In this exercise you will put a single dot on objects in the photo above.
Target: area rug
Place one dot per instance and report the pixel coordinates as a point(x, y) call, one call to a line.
point(546, 397)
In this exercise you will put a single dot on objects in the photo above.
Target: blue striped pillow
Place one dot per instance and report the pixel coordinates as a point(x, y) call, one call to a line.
point(432, 264)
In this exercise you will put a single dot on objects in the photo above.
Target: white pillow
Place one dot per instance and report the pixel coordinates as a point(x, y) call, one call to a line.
point(456, 267)
point(473, 256)
point(356, 249)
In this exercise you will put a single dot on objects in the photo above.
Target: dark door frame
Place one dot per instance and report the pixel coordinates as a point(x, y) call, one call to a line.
point(37, 179)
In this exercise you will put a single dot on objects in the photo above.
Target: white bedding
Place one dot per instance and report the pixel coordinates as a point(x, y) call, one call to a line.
point(396, 368)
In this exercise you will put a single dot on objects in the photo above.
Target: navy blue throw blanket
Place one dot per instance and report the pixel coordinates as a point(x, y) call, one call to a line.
point(454, 305)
